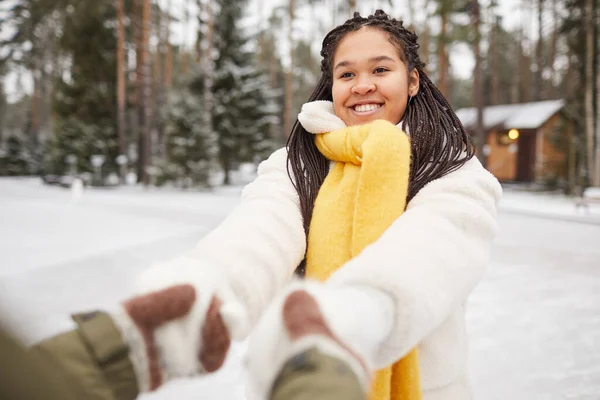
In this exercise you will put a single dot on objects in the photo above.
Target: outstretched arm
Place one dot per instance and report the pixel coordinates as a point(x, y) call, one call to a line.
point(187, 310)
point(390, 297)
point(260, 244)
point(431, 258)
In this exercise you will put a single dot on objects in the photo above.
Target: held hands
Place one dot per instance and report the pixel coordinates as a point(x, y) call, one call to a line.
point(181, 322)
point(303, 317)
point(184, 316)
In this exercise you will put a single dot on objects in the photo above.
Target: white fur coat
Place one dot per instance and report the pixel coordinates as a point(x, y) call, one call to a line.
point(428, 261)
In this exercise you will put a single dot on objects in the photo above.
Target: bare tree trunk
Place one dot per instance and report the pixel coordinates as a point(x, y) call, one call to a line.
point(272, 65)
point(139, 88)
point(147, 83)
point(423, 32)
point(478, 84)
point(168, 81)
point(198, 49)
point(352, 7)
point(524, 72)
point(572, 160)
point(589, 90)
point(411, 15)
point(185, 52)
point(159, 81)
point(517, 78)
point(57, 70)
point(3, 103)
point(287, 123)
point(272, 71)
point(144, 81)
point(566, 87)
point(443, 55)
point(121, 86)
point(36, 95)
point(552, 92)
point(426, 36)
point(45, 94)
point(261, 34)
point(494, 74)
point(596, 50)
point(539, 54)
point(208, 66)
point(35, 107)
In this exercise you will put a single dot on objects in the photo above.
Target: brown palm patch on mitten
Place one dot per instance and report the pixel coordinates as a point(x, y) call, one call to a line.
point(215, 337)
point(302, 316)
point(152, 310)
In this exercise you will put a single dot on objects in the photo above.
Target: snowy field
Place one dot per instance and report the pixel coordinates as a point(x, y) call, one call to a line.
point(534, 322)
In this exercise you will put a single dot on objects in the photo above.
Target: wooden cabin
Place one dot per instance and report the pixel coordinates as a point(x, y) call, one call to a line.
point(528, 142)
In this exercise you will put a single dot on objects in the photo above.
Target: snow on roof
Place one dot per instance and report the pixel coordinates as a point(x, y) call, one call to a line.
point(519, 116)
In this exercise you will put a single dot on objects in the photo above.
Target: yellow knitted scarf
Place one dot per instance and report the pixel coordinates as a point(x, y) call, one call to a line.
point(361, 197)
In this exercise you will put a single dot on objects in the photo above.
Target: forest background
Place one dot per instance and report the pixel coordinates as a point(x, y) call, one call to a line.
point(174, 91)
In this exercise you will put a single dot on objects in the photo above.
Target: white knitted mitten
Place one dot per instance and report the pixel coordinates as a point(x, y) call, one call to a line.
point(346, 322)
point(180, 323)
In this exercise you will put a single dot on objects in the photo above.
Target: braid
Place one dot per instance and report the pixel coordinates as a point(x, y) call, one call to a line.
point(439, 142)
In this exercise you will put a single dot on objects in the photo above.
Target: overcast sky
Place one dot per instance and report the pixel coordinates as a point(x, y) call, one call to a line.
point(512, 11)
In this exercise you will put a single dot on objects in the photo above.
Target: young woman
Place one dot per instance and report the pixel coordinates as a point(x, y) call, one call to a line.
point(377, 199)
point(395, 280)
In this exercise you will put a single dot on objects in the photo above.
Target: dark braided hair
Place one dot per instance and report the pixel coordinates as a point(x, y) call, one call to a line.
point(439, 142)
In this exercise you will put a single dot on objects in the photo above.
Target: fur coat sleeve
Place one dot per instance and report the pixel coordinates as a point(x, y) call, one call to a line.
point(430, 259)
point(262, 241)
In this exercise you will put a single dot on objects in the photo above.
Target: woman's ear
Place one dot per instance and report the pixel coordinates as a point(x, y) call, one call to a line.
point(413, 82)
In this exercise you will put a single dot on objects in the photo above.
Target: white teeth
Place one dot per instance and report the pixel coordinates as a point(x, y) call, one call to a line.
point(366, 107)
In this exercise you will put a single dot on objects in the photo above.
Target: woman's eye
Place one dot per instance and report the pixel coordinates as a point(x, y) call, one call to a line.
point(380, 70)
point(346, 75)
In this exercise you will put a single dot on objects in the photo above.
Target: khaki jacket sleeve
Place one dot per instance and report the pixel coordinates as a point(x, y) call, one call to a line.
point(24, 377)
point(314, 375)
point(92, 360)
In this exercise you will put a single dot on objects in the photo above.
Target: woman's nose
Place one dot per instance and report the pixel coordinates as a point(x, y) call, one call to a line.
point(363, 87)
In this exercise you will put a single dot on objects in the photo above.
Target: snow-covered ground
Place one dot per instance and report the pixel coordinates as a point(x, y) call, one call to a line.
point(546, 205)
point(534, 322)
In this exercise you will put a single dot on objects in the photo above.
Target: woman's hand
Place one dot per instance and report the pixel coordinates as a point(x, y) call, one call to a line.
point(180, 323)
point(300, 319)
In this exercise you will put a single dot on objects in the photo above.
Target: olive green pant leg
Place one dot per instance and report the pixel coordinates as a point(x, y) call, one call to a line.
point(313, 375)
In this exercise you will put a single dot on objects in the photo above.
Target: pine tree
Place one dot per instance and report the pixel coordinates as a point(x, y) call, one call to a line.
point(186, 162)
point(14, 160)
point(84, 105)
point(577, 83)
point(33, 28)
point(243, 101)
point(268, 59)
point(242, 108)
point(307, 73)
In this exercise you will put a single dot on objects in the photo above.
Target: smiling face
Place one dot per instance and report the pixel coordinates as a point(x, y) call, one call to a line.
point(370, 81)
